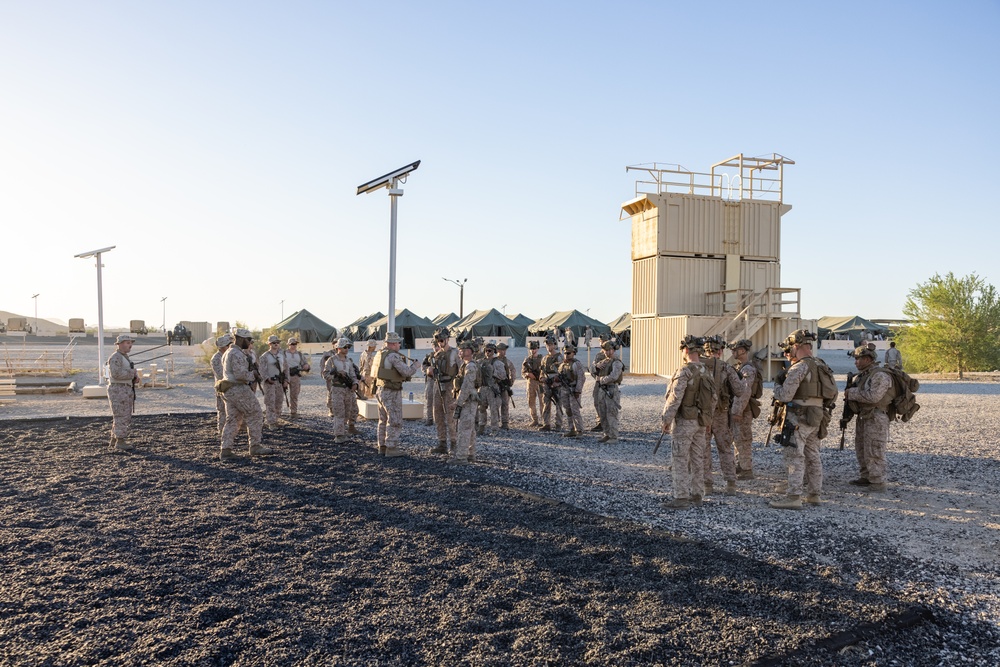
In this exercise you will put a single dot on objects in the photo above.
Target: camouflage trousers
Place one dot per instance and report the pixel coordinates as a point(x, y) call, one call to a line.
point(870, 438)
point(687, 456)
point(550, 398)
point(430, 387)
point(220, 408)
point(294, 387)
point(242, 408)
point(489, 409)
point(743, 433)
point(608, 401)
point(723, 437)
point(466, 445)
point(534, 400)
point(805, 468)
point(444, 413)
point(390, 416)
point(570, 404)
point(597, 399)
point(273, 399)
point(504, 409)
point(341, 399)
point(122, 404)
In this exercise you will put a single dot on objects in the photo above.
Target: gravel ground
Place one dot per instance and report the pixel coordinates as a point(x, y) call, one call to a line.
point(547, 551)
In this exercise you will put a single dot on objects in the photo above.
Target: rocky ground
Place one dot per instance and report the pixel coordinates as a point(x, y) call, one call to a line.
point(547, 551)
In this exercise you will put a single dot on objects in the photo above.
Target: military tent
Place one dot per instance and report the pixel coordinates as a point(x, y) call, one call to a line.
point(488, 323)
point(622, 328)
point(522, 320)
point(853, 327)
point(408, 325)
point(446, 319)
point(307, 327)
point(357, 329)
point(574, 319)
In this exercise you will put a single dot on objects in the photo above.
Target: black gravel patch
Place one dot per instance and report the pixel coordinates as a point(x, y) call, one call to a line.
point(328, 554)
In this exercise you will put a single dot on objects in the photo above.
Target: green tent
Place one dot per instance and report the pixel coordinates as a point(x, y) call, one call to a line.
point(357, 329)
point(573, 319)
point(446, 319)
point(408, 325)
point(308, 328)
point(490, 323)
point(852, 327)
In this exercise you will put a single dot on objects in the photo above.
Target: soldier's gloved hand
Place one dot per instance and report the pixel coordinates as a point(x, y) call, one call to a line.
point(577, 395)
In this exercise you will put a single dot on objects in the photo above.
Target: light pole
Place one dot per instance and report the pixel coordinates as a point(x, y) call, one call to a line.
point(391, 181)
point(282, 311)
point(164, 302)
point(35, 297)
point(461, 295)
point(100, 311)
point(503, 309)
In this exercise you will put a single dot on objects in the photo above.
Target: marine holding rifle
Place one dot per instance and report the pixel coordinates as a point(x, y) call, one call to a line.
point(686, 417)
point(238, 371)
point(343, 379)
point(743, 428)
point(571, 381)
point(495, 373)
point(274, 371)
point(391, 371)
point(531, 370)
point(608, 371)
point(506, 386)
point(549, 380)
point(802, 404)
point(297, 364)
point(122, 378)
point(443, 370)
point(868, 397)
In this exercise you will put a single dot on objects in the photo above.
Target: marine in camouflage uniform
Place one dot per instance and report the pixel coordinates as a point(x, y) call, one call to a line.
point(341, 373)
point(444, 369)
point(549, 380)
point(391, 371)
point(743, 426)
point(329, 386)
point(467, 387)
point(491, 370)
point(731, 395)
point(367, 358)
point(297, 363)
point(223, 343)
point(572, 379)
point(893, 359)
point(802, 459)
point(241, 401)
point(429, 386)
point(608, 371)
point(122, 378)
point(508, 383)
point(869, 398)
point(531, 369)
point(680, 419)
point(274, 371)
point(596, 392)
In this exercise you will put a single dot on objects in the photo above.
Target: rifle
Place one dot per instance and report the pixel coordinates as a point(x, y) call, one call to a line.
point(772, 419)
point(505, 388)
point(282, 380)
point(848, 415)
point(258, 380)
point(658, 441)
point(606, 388)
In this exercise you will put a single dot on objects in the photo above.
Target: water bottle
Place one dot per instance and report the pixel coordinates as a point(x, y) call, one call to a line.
point(411, 397)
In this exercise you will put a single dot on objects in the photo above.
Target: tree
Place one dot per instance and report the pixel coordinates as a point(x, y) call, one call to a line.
point(955, 323)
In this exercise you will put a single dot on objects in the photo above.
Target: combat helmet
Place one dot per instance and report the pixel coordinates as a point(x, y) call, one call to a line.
point(865, 351)
point(691, 342)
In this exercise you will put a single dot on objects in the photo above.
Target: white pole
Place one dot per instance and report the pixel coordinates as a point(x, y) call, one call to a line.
point(100, 325)
point(394, 194)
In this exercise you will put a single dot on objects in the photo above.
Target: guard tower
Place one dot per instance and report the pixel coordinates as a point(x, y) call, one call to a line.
point(706, 260)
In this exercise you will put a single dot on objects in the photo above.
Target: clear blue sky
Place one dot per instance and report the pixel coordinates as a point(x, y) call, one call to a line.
point(219, 145)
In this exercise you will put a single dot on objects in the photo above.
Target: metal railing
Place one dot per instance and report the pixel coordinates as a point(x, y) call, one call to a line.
point(736, 178)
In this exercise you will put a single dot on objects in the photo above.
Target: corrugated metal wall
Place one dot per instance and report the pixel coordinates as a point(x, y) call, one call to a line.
point(667, 285)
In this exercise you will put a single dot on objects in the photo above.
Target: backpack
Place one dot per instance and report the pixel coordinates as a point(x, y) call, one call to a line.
point(904, 404)
point(827, 384)
point(704, 398)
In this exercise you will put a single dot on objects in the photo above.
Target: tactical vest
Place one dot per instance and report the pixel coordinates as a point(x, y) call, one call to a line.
point(460, 377)
point(723, 394)
point(532, 365)
point(446, 364)
point(389, 378)
point(809, 387)
point(689, 402)
point(568, 374)
point(550, 363)
point(606, 369)
point(863, 381)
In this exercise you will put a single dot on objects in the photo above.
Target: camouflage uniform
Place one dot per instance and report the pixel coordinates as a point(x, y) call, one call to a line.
point(489, 395)
point(220, 404)
point(390, 397)
point(495, 394)
point(893, 358)
point(340, 373)
point(242, 406)
point(531, 367)
point(446, 365)
point(549, 380)
point(367, 358)
point(687, 449)
point(329, 385)
point(505, 398)
point(803, 459)
point(744, 428)
point(121, 388)
point(296, 363)
point(273, 370)
point(467, 385)
point(607, 373)
point(730, 392)
point(430, 386)
point(572, 379)
point(869, 398)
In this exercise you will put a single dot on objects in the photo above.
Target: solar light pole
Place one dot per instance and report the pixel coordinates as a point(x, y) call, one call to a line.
point(461, 294)
point(391, 181)
point(35, 297)
point(164, 302)
point(100, 311)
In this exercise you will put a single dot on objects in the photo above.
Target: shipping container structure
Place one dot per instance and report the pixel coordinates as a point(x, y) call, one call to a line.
point(200, 331)
point(706, 260)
